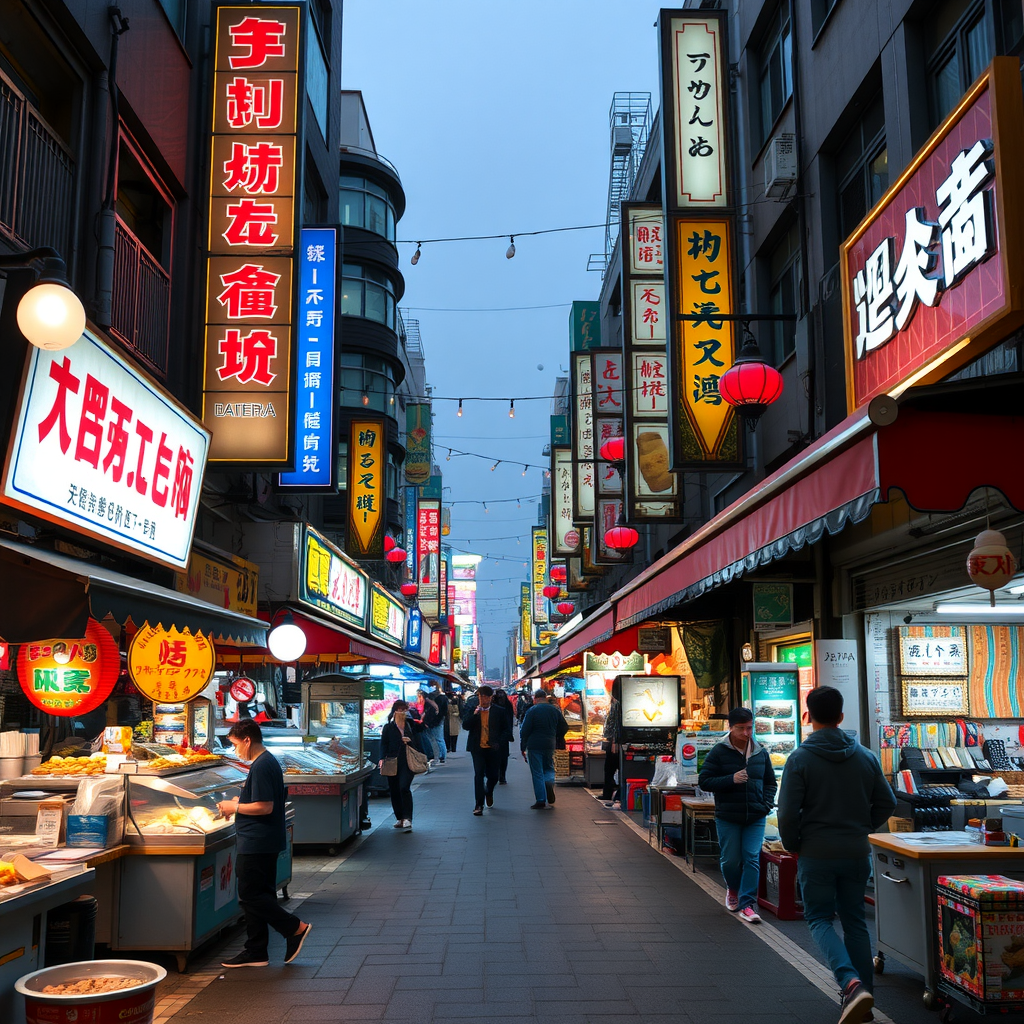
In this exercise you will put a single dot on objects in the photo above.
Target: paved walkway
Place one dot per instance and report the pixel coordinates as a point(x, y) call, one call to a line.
point(562, 916)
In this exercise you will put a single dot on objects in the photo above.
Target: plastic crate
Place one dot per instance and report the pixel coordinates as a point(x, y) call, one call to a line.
point(778, 890)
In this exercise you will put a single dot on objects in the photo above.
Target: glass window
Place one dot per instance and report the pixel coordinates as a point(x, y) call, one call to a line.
point(316, 81)
point(776, 71)
point(365, 204)
point(862, 167)
point(786, 269)
point(342, 465)
point(959, 37)
point(351, 297)
point(366, 292)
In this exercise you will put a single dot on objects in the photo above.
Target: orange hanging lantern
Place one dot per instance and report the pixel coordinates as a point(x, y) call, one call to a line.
point(991, 564)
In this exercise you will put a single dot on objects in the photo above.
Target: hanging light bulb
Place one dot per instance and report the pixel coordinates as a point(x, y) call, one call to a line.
point(485, 507)
point(511, 408)
point(524, 470)
point(460, 407)
point(496, 465)
point(511, 250)
point(448, 457)
point(366, 399)
point(416, 255)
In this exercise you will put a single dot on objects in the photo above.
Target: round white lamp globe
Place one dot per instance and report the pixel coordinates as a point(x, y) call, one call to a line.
point(286, 641)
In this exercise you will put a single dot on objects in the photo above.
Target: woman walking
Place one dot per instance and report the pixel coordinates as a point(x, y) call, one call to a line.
point(394, 738)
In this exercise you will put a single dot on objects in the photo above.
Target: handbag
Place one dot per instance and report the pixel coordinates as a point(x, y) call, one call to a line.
point(416, 760)
point(389, 767)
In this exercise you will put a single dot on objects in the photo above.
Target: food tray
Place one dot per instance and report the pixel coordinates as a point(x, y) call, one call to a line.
point(174, 769)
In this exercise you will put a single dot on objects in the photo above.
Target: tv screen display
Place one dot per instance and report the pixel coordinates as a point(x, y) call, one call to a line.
point(650, 702)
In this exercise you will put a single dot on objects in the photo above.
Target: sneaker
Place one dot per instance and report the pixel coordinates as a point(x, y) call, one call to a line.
point(857, 1004)
point(407, 825)
point(246, 959)
point(398, 824)
point(478, 810)
point(490, 799)
point(549, 788)
point(750, 915)
point(732, 900)
point(538, 806)
point(294, 944)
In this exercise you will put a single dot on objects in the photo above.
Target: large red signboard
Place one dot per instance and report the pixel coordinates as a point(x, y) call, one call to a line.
point(930, 277)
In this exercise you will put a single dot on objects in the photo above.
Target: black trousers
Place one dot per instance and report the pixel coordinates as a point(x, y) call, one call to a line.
point(503, 762)
point(486, 766)
point(611, 763)
point(257, 896)
point(401, 794)
point(451, 740)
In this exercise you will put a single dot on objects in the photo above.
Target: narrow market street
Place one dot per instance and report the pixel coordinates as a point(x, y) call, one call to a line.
point(562, 916)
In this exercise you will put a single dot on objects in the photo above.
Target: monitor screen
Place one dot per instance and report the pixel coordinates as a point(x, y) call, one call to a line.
point(650, 702)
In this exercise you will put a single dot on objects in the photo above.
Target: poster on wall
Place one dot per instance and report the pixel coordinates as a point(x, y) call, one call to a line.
point(934, 698)
point(933, 651)
point(772, 692)
point(836, 663)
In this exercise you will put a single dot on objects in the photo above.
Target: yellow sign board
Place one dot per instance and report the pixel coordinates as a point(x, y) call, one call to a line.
point(366, 494)
point(170, 667)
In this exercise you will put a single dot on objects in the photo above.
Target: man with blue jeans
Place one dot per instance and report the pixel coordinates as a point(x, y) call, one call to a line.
point(543, 725)
point(739, 772)
point(833, 795)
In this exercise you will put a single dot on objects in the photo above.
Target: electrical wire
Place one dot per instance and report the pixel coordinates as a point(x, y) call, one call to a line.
point(504, 234)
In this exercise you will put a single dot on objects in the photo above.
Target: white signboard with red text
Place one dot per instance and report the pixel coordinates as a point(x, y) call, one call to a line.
point(99, 448)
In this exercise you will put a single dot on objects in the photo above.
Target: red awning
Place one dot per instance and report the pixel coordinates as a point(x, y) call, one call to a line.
point(599, 627)
point(937, 459)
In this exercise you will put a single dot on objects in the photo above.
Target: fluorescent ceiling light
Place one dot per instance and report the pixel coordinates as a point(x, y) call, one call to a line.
point(1018, 589)
point(1013, 611)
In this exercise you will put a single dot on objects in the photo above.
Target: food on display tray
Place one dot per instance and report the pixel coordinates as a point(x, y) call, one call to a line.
point(8, 876)
point(174, 819)
point(95, 764)
point(784, 725)
point(89, 986)
point(762, 726)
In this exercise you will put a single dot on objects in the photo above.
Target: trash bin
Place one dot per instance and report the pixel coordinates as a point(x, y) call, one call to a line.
point(71, 932)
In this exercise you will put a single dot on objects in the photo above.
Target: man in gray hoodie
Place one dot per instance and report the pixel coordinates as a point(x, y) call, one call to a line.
point(833, 795)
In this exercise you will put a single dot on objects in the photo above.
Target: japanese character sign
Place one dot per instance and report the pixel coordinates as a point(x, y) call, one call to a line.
point(100, 449)
point(252, 240)
point(168, 666)
point(330, 582)
point(538, 573)
point(367, 494)
point(428, 555)
point(931, 264)
point(583, 448)
point(646, 239)
point(70, 675)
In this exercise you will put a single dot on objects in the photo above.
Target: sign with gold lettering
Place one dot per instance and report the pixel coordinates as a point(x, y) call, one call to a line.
point(254, 210)
point(330, 582)
point(227, 582)
point(168, 666)
point(387, 616)
point(366, 492)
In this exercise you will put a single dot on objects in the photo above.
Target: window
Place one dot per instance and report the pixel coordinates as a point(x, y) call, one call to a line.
point(786, 275)
point(862, 168)
point(142, 206)
point(314, 210)
point(369, 377)
point(776, 70)
point(959, 39)
point(368, 293)
point(820, 10)
point(364, 204)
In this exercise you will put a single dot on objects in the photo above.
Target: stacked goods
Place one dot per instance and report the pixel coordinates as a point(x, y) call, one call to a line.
point(95, 764)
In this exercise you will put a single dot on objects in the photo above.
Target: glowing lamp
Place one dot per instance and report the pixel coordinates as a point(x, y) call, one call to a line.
point(50, 314)
point(613, 450)
point(566, 607)
point(991, 564)
point(621, 538)
point(551, 591)
point(389, 543)
point(286, 641)
point(750, 385)
point(396, 554)
point(409, 589)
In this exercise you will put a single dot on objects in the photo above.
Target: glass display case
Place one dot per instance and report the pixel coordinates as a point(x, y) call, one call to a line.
point(181, 810)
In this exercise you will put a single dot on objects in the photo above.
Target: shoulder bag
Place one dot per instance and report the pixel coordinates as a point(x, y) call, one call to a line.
point(416, 761)
point(389, 767)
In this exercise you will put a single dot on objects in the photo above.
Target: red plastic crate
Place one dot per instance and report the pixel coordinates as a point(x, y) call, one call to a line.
point(777, 888)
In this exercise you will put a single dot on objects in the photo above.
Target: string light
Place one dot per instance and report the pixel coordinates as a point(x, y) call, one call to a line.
point(366, 399)
point(496, 465)
point(524, 469)
point(511, 408)
point(486, 509)
point(448, 457)
point(460, 407)
point(511, 250)
point(416, 255)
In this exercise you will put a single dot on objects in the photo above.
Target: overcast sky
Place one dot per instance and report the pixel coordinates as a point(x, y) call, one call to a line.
point(496, 116)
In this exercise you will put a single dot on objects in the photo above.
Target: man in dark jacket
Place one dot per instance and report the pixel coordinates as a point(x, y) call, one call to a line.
point(489, 728)
point(833, 795)
point(740, 774)
point(435, 714)
point(543, 726)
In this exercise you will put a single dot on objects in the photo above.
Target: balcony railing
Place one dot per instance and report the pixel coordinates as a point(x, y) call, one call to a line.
point(37, 177)
point(141, 307)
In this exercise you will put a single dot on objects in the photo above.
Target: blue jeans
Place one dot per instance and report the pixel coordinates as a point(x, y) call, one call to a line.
point(437, 738)
point(828, 887)
point(740, 847)
point(542, 769)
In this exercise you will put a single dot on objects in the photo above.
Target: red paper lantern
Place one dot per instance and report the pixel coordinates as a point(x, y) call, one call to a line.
point(558, 573)
point(395, 555)
point(613, 450)
point(566, 607)
point(551, 591)
point(389, 543)
point(621, 538)
point(409, 589)
point(750, 385)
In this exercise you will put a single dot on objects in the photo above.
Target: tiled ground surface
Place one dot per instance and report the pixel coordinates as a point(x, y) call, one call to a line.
point(518, 917)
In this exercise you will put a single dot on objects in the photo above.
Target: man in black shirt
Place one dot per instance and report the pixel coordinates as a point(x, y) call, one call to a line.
point(260, 837)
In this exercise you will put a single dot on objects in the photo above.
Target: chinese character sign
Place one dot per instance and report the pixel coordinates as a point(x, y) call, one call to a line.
point(538, 576)
point(170, 667)
point(255, 202)
point(387, 616)
point(693, 72)
point(100, 449)
point(585, 326)
point(313, 415)
point(366, 489)
point(583, 436)
point(704, 345)
point(931, 266)
point(409, 530)
point(645, 241)
point(417, 443)
point(922, 654)
point(230, 582)
point(70, 676)
point(565, 537)
point(525, 619)
point(609, 402)
point(428, 556)
point(330, 582)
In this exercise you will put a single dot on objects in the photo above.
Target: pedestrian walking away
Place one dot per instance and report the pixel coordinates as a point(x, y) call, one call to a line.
point(833, 796)
point(260, 837)
point(434, 717)
point(543, 726)
point(501, 701)
point(610, 741)
point(739, 772)
point(488, 726)
point(454, 720)
point(396, 735)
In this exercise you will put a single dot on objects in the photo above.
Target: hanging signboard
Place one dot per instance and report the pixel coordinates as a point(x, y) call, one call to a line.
point(314, 354)
point(414, 631)
point(428, 557)
point(330, 582)
point(565, 535)
point(922, 654)
point(609, 511)
point(366, 495)
point(409, 512)
point(70, 676)
point(168, 666)
point(226, 581)
point(539, 572)
point(387, 616)
point(942, 698)
point(930, 276)
point(254, 216)
point(242, 689)
point(417, 443)
point(444, 565)
point(525, 619)
point(585, 326)
point(652, 489)
point(773, 605)
point(583, 437)
point(608, 400)
point(100, 449)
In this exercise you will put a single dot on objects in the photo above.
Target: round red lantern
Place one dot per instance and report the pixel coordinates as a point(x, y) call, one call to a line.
point(395, 555)
point(621, 538)
point(991, 564)
point(389, 543)
point(409, 589)
point(551, 591)
point(750, 385)
point(613, 450)
point(566, 607)
point(558, 573)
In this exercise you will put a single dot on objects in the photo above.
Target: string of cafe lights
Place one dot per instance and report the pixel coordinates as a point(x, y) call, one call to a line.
point(490, 458)
point(511, 236)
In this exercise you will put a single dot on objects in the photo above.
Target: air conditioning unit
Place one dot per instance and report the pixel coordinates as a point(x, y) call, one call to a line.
point(780, 166)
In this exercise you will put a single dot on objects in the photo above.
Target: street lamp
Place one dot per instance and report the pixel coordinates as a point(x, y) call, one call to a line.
point(286, 641)
point(50, 314)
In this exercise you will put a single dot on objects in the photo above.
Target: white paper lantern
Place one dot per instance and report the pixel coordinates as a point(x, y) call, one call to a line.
point(991, 564)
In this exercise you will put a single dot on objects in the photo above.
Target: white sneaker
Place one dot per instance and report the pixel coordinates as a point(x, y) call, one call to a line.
point(407, 825)
point(750, 915)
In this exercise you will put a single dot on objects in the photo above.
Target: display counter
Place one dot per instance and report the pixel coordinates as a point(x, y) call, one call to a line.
point(906, 867)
